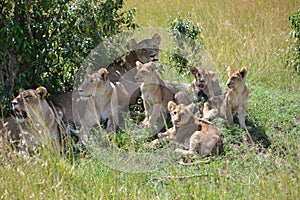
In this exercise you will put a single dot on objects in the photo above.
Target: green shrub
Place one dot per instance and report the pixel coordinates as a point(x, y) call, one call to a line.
point(44, 42)
point(294, 49)
point(187, 44)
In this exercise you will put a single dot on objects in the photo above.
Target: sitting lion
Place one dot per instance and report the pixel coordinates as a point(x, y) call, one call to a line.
point(156, 93)
point(101, 102)
point(205, 84)
point(39, 122)
point(199, 136)
point(233, 102)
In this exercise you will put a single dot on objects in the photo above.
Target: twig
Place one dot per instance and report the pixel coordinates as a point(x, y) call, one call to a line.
point(180, 177)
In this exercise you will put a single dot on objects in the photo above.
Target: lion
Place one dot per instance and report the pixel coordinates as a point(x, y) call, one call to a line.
point(120, 73)
point(156, 93)
point(39, 122)
point(205, 84)
point(10, 131)
point(101, 102)
point(233, 102)
point(145, 51)
point(196, 135)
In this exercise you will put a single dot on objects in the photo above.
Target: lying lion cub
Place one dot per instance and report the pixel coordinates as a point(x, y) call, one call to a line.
point(39, 119)
point(205, 84)
point(156, 93)
point(101, 102)
point(233, 102)
point(196, 135)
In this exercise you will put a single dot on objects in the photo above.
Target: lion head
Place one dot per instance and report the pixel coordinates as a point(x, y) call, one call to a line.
point(146, 72)
point(147, 50)
point(236, 78)
point(202, 77)
point(29, 103)
point(180, 114)
point(93, 82)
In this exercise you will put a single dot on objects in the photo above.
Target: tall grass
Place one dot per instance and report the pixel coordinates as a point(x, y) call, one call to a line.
point(236, 33)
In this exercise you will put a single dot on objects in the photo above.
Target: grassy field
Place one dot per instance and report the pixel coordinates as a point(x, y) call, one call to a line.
point(236, 33)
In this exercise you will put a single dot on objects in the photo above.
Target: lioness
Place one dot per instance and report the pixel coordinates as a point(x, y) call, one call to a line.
point(205, 84)
point(40, 121)
point(145, 51)
point(156, 93)
point(101, 102)
point(233, 102)
point(196, 135)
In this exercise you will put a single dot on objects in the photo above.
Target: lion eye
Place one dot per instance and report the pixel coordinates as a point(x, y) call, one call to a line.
point(144, 50)
point(91, 81)
point(174, 113)
point(233, 78)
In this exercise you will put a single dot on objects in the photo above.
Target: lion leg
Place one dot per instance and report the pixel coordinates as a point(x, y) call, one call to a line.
point(195, 142)
point(209, 113)
point(242, 116)
point(229, 115)
point(111, 125)
point(156, 113)
point(145, 122)
point(84, 134)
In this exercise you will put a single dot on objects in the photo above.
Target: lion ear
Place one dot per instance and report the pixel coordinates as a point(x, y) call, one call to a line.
point(156, 38)
point(193, 70)
point(132, 44)
point(212, 74)
point(21, 90)
point(229, 70)
point(138, 64)
point(243, 72)
point(103, 73)
point(171, 106)
point(190, 107)
point(88, 70)
point(41, 92)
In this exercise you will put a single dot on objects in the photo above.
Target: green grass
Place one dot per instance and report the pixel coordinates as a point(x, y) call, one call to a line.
point(236, 33)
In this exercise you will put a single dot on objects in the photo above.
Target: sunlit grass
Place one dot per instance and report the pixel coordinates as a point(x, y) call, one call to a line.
point(236, 33)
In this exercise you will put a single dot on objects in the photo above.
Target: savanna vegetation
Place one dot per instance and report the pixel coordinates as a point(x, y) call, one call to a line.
point(253, 34)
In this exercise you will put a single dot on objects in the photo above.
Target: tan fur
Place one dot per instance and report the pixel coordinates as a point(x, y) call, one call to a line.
point(231, 103)
point(205, 83)
point(10, 131)
point(155, 92)
point(145, 51)
point(101, 102)
point(36, 117)
point(198, 136)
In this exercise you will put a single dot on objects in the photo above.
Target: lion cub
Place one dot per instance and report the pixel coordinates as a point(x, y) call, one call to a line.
point(156, 93)
point(101, 102)
point(197, 135)
point(233, 102)
point(205, 84)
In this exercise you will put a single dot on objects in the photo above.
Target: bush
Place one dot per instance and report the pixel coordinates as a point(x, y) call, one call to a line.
point(294, 49)
point(187, 44)
point(44, 42)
